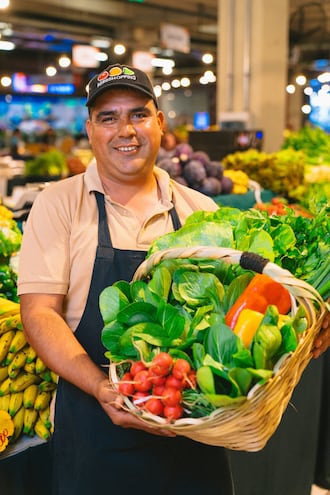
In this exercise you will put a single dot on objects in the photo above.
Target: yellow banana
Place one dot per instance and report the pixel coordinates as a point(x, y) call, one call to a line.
point(41, 430)
point(10, 322)
point(40, 366)
point(8, 307)
point(54, 376)
point(19, 359)
point(5, 343)
point(30, 367)
point(44, 415)
point(46, 386)
point(22, 381)
point(18, 342)
point(30, 395)
point(18, 421)
point(13, 373)
point(45, 375)
point(4, 402)
point(30, 418)
point(8, 359)
point(31, 355)
point(5, 386)
point(3, 373)
point(42, 400)
point(16, 400)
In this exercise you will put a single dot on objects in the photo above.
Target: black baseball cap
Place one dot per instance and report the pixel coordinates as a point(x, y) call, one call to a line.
point(119, 75)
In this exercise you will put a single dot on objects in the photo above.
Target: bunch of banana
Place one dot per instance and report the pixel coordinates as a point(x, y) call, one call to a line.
point(240, 180)
point(27, 385)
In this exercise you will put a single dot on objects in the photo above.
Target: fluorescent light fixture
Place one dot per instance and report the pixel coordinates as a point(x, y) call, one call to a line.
point(7, 45)
point(103, 43)
point(162, 62)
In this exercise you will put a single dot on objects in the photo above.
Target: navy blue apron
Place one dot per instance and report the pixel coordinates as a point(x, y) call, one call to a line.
point(92, 455)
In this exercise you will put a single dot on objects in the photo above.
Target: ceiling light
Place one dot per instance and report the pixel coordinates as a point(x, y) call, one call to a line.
point(301, 80)
point(162, 62)
point(51, 71)
point(175, 83)
point(7, 45)
point(185, 82)
point(5, 81)
point(166, 86)
point(306, 109)
point(4, 4)
point(325, 77)
point(101, 56)
point(103, 43)
point(207, 58)
point(290, 89)
point(119, 49)
point(64, 61)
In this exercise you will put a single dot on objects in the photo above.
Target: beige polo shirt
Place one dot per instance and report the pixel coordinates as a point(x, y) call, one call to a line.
point(60, 236)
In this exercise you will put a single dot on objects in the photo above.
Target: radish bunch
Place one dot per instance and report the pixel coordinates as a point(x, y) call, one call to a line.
point(157, 386)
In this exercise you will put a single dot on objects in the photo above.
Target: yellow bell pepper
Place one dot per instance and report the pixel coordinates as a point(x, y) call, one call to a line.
point(247, 324)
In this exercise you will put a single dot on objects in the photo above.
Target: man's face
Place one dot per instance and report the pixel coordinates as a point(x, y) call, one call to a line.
point(124, 131)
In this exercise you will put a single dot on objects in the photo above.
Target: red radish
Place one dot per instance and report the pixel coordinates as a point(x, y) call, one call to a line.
point(154, 406)
point(173, 412)
point(171, 381)
point(142, 381)
point(163, 359)
point(125, 386)
point(136, 367)
point(171, 396)
point(181, 368)
point(158, 390)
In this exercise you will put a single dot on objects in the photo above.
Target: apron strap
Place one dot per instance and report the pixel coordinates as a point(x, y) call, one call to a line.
point(104, 246)
point(175, 218)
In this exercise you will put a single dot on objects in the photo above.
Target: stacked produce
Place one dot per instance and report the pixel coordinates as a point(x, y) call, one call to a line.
point(312, 141)
point(49, 163)
point(26, 384)
point(282, 172)
point(195, 169)
point(10, 242)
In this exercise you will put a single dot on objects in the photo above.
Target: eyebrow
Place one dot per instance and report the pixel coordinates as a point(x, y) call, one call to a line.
point(104, 113)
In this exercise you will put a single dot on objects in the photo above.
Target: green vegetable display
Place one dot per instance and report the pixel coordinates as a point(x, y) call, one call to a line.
point(297, 243)
point(313, 141)
point(49, 163)
point(281, 172)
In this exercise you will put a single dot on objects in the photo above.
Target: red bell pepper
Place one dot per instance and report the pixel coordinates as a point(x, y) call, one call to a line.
point(261, 292)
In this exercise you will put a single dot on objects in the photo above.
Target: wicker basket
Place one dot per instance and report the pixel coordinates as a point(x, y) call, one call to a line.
point(247, 425)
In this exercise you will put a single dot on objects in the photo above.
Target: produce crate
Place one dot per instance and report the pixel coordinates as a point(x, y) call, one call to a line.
point(249, 424)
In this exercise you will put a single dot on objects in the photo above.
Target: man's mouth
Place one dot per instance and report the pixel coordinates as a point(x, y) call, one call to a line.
point(126, 149)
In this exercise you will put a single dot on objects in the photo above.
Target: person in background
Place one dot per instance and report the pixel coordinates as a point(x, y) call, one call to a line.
point(16, 145)
point(83, 234)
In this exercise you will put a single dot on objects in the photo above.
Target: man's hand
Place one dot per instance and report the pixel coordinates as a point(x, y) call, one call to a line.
point(322, 341)
point(112, 403)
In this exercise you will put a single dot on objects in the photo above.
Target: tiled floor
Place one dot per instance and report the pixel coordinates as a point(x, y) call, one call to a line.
point(319, 491)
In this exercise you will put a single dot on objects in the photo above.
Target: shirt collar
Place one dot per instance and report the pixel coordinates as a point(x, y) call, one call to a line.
point(93, 182)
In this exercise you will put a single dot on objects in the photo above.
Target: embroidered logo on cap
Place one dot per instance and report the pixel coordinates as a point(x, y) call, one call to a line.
point(115, 73)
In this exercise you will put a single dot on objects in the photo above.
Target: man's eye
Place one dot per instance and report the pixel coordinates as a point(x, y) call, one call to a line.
point(139, 116)
point(105, 120)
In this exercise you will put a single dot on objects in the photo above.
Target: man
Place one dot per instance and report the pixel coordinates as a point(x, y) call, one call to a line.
point(83, 234)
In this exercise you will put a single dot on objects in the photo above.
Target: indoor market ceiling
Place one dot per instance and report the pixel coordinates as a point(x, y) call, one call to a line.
point(41, 29)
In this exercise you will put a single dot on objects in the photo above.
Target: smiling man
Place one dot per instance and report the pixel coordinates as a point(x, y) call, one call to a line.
point(83, 234)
